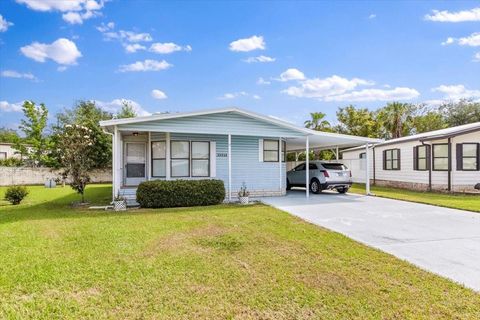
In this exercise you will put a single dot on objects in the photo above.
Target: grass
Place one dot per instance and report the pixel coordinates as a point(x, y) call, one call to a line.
point(456, 201)
point(220, 262)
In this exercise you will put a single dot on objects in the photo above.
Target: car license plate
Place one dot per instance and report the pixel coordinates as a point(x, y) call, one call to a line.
point(340, 174)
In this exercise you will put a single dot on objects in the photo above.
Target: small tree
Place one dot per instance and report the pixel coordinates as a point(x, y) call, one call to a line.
point(127, 111)
point(75, 147)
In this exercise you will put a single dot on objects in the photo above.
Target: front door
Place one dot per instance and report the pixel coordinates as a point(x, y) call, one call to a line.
point(135, 163)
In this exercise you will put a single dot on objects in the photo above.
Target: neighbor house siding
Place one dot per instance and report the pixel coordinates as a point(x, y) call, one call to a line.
point(222, 123)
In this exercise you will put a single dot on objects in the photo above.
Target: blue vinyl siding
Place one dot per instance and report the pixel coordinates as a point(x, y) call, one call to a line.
point(246, 167)
point(221, 123)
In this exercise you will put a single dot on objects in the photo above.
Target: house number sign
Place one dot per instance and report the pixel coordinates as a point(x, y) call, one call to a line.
point(222, 154)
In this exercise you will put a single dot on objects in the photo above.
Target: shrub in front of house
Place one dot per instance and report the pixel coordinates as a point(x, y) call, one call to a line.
point(180, 193)
point(15, 194)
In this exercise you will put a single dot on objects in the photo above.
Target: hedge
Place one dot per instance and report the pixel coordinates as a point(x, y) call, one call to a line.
point(180, 193)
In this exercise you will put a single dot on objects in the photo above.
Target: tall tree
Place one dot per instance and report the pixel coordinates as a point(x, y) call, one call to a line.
point(428, 121)
point(396, 118)
point(36, 143)
point(461, 112)
point(127, 111)
point(359, 122)
point(88, 114)
point(318, 122)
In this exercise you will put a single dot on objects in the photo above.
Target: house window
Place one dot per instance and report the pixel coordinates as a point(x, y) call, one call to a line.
point(270, 150)
point(3, 155)
point(391, 159)
point(159, 159)
point(200, 159)
point(468, 156)
point(363, 155)
point(441, 159)
point(421, 158)
point(284, 151)
point(363, 164)
point(180, 162)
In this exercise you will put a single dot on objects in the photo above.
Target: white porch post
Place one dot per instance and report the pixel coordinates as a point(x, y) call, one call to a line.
point(117, 162)
point(167, 156)
point(149, 156)
point(280, 162)
point(114, 160)
point(367, 171)
point(229, 167)
point(307, 168)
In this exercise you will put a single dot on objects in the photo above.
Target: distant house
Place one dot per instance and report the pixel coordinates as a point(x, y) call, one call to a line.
point(7, 151)
point(446, 160)
point(231, 144)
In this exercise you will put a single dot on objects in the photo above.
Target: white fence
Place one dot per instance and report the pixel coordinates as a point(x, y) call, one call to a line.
point(29, 176)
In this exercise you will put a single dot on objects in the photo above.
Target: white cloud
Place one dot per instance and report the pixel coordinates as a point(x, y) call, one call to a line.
point(233, 95)
point(10, 107)
point(459, 16)
point(456, 92)
point(132, 48)
point(256, 97)
point(74, 11)
point(16, 74)
point(399, 93)
point(62, 51)
point(158, 94)
point(259, 59)
point(248, 44)
point(168, 47)
point(476, 57)
point(291, 74)
point(106, 27)
point(262, 81)
point(146, 65)
point(472, 40)
point(372, 16)
point(4, 24)
point(115, 106)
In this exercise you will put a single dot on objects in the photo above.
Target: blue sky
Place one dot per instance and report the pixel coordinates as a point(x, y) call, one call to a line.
point(284, 59)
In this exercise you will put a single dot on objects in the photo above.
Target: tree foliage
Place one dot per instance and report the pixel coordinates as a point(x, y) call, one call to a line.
point(396, 119)
point(36, 143)
point(76, 148)
point(318, 122)
point(461, 112)
point(8, 135)
point(87, 114)
point(358, 121)
point(127, 111)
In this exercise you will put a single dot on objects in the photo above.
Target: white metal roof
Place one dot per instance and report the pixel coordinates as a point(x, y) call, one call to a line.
point(317, 139)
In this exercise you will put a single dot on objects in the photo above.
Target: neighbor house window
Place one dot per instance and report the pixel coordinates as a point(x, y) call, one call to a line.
point(421, 158)
point(363, 164)
point(391, 159)
point(440, 157)
point(159, 159)
point(200, 159)
point(3, 155)
point(270, 150)
point(467, 156)
point(180, 162)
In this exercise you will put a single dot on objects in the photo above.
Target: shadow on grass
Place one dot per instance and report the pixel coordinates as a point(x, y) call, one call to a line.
point(61, 208)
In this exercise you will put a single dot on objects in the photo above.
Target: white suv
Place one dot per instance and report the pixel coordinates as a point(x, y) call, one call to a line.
point(323, 176)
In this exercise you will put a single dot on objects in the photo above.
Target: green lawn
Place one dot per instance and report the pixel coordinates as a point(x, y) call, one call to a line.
point(456, 201)
point(227, 261)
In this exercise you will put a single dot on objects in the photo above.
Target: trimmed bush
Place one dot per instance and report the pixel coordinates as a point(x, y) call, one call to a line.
point(15, 194)
point(180, 193)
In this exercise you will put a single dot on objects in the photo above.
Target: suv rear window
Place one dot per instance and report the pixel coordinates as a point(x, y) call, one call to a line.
point(334, 166)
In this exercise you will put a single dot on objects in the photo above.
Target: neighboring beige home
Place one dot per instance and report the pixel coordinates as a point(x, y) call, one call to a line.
point(445, 160)
point(7, 151)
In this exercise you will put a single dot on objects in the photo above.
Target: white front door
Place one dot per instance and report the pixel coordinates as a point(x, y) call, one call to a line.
point(135, 163)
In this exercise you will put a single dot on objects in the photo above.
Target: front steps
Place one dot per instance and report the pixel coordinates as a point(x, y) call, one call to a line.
point(130, 195)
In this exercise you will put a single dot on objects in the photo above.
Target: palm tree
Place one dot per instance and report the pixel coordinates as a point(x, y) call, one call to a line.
point(396, 118)
point(318, 122)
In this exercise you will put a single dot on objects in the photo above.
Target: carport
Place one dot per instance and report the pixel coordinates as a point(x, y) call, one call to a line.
point(319, 140)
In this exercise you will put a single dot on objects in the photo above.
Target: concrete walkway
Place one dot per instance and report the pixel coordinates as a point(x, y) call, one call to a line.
point(440, 240)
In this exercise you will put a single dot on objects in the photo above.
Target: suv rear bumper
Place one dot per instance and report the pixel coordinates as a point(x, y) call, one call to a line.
point(335, 184)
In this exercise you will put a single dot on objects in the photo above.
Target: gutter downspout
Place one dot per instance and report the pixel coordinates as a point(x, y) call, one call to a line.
point(374, 167)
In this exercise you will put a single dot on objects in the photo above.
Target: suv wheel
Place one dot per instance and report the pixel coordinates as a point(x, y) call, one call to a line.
point(315, 186)
point(342, 190)
point(289, 186)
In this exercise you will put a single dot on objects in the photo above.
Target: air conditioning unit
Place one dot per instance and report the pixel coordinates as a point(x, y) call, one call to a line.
point(477, 186)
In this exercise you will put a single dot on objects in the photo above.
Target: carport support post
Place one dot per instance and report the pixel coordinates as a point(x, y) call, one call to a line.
point(280, 162)
point(229, 168)
point(307, 168)
point(367, 171)
point(336, 153)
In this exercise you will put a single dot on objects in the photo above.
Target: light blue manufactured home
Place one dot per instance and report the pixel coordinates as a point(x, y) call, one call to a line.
point(231, 144)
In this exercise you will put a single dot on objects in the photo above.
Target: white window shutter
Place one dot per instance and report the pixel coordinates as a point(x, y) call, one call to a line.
point(260, 150)
point(213, 159)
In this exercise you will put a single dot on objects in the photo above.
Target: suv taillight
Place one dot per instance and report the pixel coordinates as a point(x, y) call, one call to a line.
point(325, 173)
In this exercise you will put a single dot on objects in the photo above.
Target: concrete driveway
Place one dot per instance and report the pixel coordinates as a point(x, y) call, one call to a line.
point(440, 240)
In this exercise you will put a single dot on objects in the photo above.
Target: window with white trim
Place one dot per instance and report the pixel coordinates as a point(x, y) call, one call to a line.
point(469, 156)
point(159, 160)
point(440, 156)
point(200, 159)
point(180, 162)
point(271, 150)
point(190, 159)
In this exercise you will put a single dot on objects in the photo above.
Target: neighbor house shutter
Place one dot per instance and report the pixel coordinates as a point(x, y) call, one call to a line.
point(478, 156)
point(384, 160)
point(260, 150)
point(213, 159)
point(459, 157)
point(428, 152)
point(415, 158)
point(399, 160)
